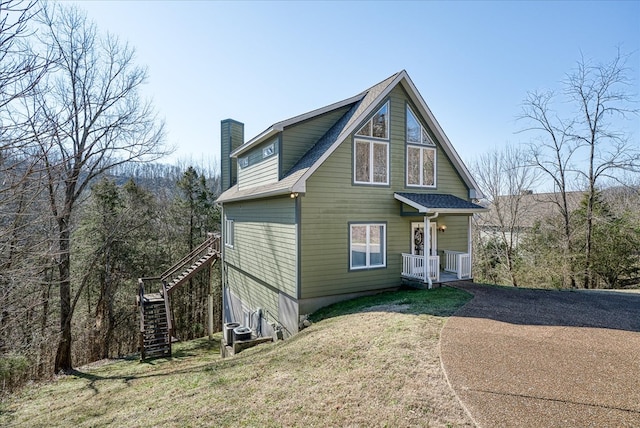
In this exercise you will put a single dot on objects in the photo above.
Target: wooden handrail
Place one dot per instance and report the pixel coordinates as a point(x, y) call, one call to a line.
point(167, 307)
point(188, 266)
point(141, 309)
point(179, 266)
point(149, 278)
point(141, 303)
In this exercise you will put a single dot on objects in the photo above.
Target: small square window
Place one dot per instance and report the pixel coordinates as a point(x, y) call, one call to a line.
point(243, 162)
point(268, 151)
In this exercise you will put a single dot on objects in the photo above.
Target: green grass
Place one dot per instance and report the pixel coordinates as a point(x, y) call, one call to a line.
point(371, 361)
point(443, 301)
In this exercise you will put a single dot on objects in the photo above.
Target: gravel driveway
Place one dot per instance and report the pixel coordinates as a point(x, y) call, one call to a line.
point(540, 358)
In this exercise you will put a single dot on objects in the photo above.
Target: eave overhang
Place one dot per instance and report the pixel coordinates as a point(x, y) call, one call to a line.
point(432, 203)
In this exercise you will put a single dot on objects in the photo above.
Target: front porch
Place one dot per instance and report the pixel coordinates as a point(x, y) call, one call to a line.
point(435, 257)
point(457, 266)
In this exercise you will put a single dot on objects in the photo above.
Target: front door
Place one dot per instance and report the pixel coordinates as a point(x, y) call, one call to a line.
point(418, 237)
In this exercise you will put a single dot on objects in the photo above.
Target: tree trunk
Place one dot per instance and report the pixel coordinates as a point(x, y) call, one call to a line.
point(63, 354)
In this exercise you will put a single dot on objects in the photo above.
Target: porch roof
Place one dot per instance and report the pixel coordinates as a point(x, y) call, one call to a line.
point(431, 203)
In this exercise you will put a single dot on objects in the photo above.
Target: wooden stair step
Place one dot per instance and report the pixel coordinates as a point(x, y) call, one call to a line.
point(159, 353)
point(156, 345)
point(151, 334)
point(157, 340)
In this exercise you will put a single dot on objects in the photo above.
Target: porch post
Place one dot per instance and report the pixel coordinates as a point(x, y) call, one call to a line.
point(470, 244)
point(426, 248)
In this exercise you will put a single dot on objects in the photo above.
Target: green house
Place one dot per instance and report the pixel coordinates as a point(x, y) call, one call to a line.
point(350, 199)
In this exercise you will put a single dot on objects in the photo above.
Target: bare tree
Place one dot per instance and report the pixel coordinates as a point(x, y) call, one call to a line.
point(85, 117)
point(505, 178)
point(16, 64)
point(25, 264)
point(600, 93)
point(586, 147)
point(553, 152)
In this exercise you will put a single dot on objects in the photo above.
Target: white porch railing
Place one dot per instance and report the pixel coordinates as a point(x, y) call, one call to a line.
point(458, 263)
point(413, 267)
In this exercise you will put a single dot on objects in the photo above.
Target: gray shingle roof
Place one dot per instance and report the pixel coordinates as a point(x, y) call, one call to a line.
point(323, 144)
point(433, 202)
point(361, 106)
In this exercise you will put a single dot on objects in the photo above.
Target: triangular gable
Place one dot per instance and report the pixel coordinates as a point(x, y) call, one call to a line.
point(364, 109)
point(374, 96)
point(432, 123)
point(364, 105)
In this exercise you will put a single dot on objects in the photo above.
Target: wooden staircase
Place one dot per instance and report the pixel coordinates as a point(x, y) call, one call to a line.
point(156, 326)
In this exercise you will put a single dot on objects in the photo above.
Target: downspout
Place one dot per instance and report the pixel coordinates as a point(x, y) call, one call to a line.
point(427, 248)
point(224, 284)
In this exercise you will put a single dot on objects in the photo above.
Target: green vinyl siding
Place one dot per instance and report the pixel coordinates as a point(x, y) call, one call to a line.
point(265, 242)
point(299, 138)
point(455, 237)
point(231, 137)
point(259, 169)
point(447, 178)
point(331, 202)
point(252, 292)
point(265, 172)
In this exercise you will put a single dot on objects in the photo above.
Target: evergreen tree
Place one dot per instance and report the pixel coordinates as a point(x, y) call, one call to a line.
point(195, 212)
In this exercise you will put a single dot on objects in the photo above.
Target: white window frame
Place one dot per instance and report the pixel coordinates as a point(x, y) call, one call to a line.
point(229, 232)
point(423, 131)
point(268, 151)
point(421, 172)
point(368, 246)
point(371, 143)
point(370, 123)
point(243, 162)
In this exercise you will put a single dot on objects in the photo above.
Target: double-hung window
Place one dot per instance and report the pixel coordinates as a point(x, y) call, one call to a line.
point(421, 154)
point(367, 245)
point(228, 232)
point(371, 150)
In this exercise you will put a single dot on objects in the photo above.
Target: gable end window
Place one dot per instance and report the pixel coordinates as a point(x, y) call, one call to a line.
point(378, 125)
point(367, 246)
point(228, 232)
point(371, 152)
point(421, 166)
point(421, 154)
point(371, 162)
point(416, 133)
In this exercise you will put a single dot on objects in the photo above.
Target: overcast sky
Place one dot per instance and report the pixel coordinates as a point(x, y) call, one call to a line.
point(262, 62)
